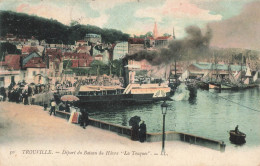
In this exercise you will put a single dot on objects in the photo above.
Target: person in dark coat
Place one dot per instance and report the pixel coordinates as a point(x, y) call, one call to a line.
point(84, 118)
point(17, 96)
point(30, 95)
point(67, 108)
point(142, 132)
point(135, 134)
point(25, 96)
point(3, 93)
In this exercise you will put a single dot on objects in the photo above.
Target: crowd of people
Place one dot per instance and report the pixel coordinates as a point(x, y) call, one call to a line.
point(24, 93)
point(18, 93)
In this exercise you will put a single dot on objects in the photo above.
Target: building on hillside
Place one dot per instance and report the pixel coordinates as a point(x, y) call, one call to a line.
point(135, 45)
point(99, 57)
point(84, 49)
point(93, 38)
point(10, 70)
point(120, 50)
point(33, 41)
point(35, 68)
point(10, 36)
point(26, 50)
point(158, 41)
point(81, 43)
point(100, 50)
point(77, 60)
point(36, 71)
point(54, 61)
point(27, 58)
point(82, 61)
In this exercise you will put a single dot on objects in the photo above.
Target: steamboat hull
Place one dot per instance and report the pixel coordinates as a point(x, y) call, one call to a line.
point(121, 98)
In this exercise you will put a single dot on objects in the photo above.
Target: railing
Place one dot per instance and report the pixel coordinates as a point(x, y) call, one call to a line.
point(154, 137)
point(63, 114)
point(189, 138)
point(122, 130)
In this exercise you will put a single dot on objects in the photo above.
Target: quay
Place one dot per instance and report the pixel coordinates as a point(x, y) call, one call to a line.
point(28, 127)
point(154, 137)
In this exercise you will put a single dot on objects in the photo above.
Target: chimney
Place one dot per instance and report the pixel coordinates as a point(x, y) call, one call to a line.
point(173, 33)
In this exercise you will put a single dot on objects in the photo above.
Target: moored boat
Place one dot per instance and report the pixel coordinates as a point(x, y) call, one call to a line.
point(214, 85)
point(237, 137)
point(133, 93)
point(203, 85)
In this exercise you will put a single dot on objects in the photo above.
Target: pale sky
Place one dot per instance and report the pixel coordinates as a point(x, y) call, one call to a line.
point(131, 16)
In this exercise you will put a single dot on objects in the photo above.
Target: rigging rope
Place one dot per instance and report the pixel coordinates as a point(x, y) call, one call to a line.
point(235, 102)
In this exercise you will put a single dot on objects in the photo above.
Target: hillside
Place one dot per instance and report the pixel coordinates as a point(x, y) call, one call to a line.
point(25, 26)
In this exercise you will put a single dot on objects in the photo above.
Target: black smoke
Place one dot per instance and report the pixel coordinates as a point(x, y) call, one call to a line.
point(192, 47)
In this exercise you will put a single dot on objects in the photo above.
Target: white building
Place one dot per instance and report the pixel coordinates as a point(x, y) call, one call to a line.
point(6, 77)
point(93, 38)
point(120, 50)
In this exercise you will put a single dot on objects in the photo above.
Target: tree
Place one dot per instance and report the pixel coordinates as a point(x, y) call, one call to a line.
point(97, 68)
point(149, 34)
point(166, 34)
point(51, 30)
point(117, 67)
point(67, 64)
point(73, 23)
point(7, 48)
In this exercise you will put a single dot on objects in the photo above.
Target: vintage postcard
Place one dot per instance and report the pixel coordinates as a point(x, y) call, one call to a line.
point(130, 82)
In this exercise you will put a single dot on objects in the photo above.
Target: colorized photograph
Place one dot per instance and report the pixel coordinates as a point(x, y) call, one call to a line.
point(130, 82)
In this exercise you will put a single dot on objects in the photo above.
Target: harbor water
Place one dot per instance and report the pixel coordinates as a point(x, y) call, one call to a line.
point(211, 114)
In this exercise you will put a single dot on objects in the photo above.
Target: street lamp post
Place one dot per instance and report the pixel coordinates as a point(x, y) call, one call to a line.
point(164, 111)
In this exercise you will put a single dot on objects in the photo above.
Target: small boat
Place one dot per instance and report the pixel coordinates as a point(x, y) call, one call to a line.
point(237, 138)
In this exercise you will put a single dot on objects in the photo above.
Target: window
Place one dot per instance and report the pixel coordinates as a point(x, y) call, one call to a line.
point(34, 73)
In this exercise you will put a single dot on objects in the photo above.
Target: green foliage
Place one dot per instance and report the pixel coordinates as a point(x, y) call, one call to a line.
point(67, 64)
point(98, 68)
point(80, 71)
point(166, 35)
point(23, 25)
point(148, 34)
point(9, 48)
point(116, 68)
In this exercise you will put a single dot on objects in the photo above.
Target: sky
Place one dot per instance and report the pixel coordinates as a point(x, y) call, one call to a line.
point(132, 16)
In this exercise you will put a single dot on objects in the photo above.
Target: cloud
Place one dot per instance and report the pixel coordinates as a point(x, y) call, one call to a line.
point(241, 31)
point(101, 5)
point(177, 9)
point(99, 21)
point(64, 12)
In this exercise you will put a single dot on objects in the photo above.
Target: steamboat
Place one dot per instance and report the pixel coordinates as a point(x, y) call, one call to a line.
point(133, 93)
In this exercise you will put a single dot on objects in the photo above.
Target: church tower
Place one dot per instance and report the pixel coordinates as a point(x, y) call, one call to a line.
point(155, 31)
